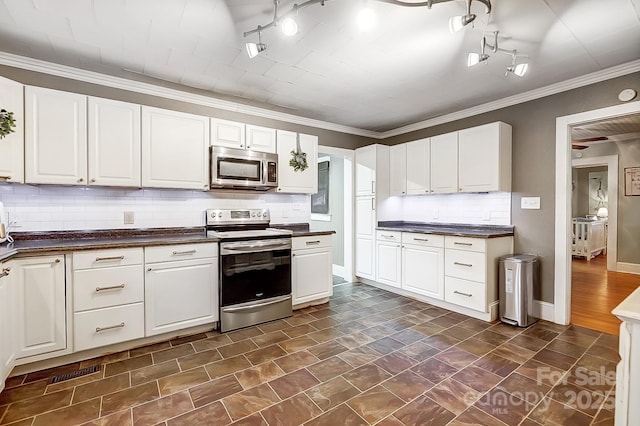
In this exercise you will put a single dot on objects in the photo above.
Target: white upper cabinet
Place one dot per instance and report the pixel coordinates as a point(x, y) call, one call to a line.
point(230, 134)
point(174, 149)
point(485, 158)
point(12, 145)
point(55, 137)
point(418, 166)
point(398, 169)
point(114, 143)
point(261, 139)
point(444, 163)
point(366, 170)
point(289, 180)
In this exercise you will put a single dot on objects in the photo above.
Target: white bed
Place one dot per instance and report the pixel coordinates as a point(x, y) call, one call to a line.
point(589, 237)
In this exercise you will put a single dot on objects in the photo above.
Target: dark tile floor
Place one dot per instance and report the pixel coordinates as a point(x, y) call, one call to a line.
point(366, 357)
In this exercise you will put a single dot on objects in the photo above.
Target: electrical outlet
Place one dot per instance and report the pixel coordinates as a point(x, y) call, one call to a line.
point(530, 203)
point(129, 218)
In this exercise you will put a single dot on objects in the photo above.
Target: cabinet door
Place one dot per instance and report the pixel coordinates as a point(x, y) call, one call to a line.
point(388, 263)
point(114, 143)
point(423, 271)
point(418, 167)
point(55, 137)
point(365, 257)
point(12, 145)
point(180, 294)
point(41, 305)
point(229, 134)
point(365, 170)
point(365, 216)
point(289, 180)
point(175, 149)
point(398, 169)
point(261, 139)
point(7, 323)
point(485, 158)
point(444, 163)
point(311, 275)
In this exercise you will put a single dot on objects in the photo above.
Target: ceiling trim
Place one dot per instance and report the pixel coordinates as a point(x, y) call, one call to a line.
point(552, 89)
point(86, 76)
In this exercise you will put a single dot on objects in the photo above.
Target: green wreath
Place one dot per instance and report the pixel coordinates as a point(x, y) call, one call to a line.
point(7, 123)
point(298, 161)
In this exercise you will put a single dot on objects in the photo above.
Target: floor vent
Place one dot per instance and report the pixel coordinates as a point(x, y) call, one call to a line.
point(74, 374)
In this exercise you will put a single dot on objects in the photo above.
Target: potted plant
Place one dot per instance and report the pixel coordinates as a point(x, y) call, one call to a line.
point(7, 123)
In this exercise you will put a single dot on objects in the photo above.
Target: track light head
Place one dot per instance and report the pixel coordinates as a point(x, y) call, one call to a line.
point(476, 58)
point(366, 19)
point(518, 69)
point(457, 23)
point(254, 49)
point(289, 26)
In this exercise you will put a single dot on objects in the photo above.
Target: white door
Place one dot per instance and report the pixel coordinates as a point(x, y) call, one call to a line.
point(175, 149)
point(478, 158)
point(423, 271)
point(444, 163)
point(41, 305)
point(55, 137)
point(12, 145)
point(180, 294)
point(398, 169)
point(229, 134)
point(366, 170)
point(365, 257)
point(7, 323)
point(289, 180)
point(418, 167)
point(261, 139)
point(365, 216)
point(388, 263)
point(114, 143)
point(312, 278)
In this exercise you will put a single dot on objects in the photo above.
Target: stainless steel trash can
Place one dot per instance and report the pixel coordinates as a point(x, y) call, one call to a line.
point(518, 279)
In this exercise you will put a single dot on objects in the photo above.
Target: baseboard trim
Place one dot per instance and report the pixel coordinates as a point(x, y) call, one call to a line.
point(543, 310)
point(629, 268)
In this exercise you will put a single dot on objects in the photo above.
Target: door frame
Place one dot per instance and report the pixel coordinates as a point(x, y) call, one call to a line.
point(349, 156)
point(562, 270)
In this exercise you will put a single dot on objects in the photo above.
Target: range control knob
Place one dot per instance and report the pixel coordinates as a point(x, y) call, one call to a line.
point(220, 214)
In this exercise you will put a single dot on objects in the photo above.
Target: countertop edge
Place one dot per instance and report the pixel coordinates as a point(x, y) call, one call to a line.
point(461, 233)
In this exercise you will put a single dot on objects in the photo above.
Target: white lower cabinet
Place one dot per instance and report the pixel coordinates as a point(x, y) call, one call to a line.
point(388, 253)
point(423, 264)
point(311, 274)
point(106, 326)
point(7, 323)
point(180, 293)
point(41, 305)
point(365, 255)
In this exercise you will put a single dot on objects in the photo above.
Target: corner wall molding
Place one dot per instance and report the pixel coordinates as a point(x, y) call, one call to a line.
point(93, 77)
point(543, 310)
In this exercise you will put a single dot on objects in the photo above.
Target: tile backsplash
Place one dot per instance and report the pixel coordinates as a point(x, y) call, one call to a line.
point(56, 208)
point(493, 208)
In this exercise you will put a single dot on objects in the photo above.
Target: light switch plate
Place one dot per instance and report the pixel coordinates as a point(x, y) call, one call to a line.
point(129, 218)
point(530, 203)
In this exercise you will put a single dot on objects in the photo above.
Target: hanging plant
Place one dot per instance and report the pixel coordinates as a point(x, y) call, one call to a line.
point(298, 158)
point(7, 123)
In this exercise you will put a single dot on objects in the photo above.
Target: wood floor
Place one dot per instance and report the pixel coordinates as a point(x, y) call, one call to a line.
point(596, 291)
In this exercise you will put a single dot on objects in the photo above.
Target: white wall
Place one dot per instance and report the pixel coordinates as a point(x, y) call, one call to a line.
point(56, 208)
point(492, 208)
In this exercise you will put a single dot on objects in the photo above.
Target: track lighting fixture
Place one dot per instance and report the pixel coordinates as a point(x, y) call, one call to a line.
point(366, 18)
point(519, 69)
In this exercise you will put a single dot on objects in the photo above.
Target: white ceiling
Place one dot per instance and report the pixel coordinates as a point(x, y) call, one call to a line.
point(407, 69)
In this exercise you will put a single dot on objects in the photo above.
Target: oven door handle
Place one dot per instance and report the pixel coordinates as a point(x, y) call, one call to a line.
point(257, 305)
point(253, 248)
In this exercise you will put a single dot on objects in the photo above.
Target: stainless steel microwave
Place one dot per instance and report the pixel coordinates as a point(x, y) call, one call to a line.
point(243, 169)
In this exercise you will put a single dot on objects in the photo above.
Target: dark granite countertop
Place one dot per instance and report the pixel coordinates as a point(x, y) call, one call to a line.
point(301, 229)
point(34, 243)
point(452, 229)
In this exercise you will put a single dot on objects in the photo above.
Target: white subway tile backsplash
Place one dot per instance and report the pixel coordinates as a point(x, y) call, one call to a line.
point(488, 209)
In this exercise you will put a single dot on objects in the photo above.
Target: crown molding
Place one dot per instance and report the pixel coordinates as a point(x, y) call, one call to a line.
point(73, 73)
point(93, 77)
point(552, 89)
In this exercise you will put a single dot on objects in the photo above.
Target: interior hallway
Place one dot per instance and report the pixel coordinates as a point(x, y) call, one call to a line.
point(595, 292)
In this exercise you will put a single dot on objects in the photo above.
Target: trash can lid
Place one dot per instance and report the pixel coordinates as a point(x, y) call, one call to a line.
point(520, 258)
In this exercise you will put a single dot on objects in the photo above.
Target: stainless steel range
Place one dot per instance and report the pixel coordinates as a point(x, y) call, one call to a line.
point(254, 268)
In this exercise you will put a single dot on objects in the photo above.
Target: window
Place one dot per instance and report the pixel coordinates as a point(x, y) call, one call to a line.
point(320, 200)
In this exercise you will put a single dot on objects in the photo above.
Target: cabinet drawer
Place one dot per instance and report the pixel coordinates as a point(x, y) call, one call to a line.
point(465, 293)
point(465, 243)
point(180, 252)
point(428, 240)
point(101, 327)
point(99, 288)
point(390, 236)
point(467, 265)
point(299, 243)
point(107, 258)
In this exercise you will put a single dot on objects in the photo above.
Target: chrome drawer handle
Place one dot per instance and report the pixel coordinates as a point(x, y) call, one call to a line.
point(461, 293)
point(111, 327)
point(387, 236)
point(103, 259)
point(462, 244)
point(176, 253)
point(421, 239)
point(312, 242)
point(468, 265)
point(113, 287)
point(5, 177)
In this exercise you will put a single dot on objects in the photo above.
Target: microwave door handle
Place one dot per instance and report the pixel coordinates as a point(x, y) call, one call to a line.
point(264, 167)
